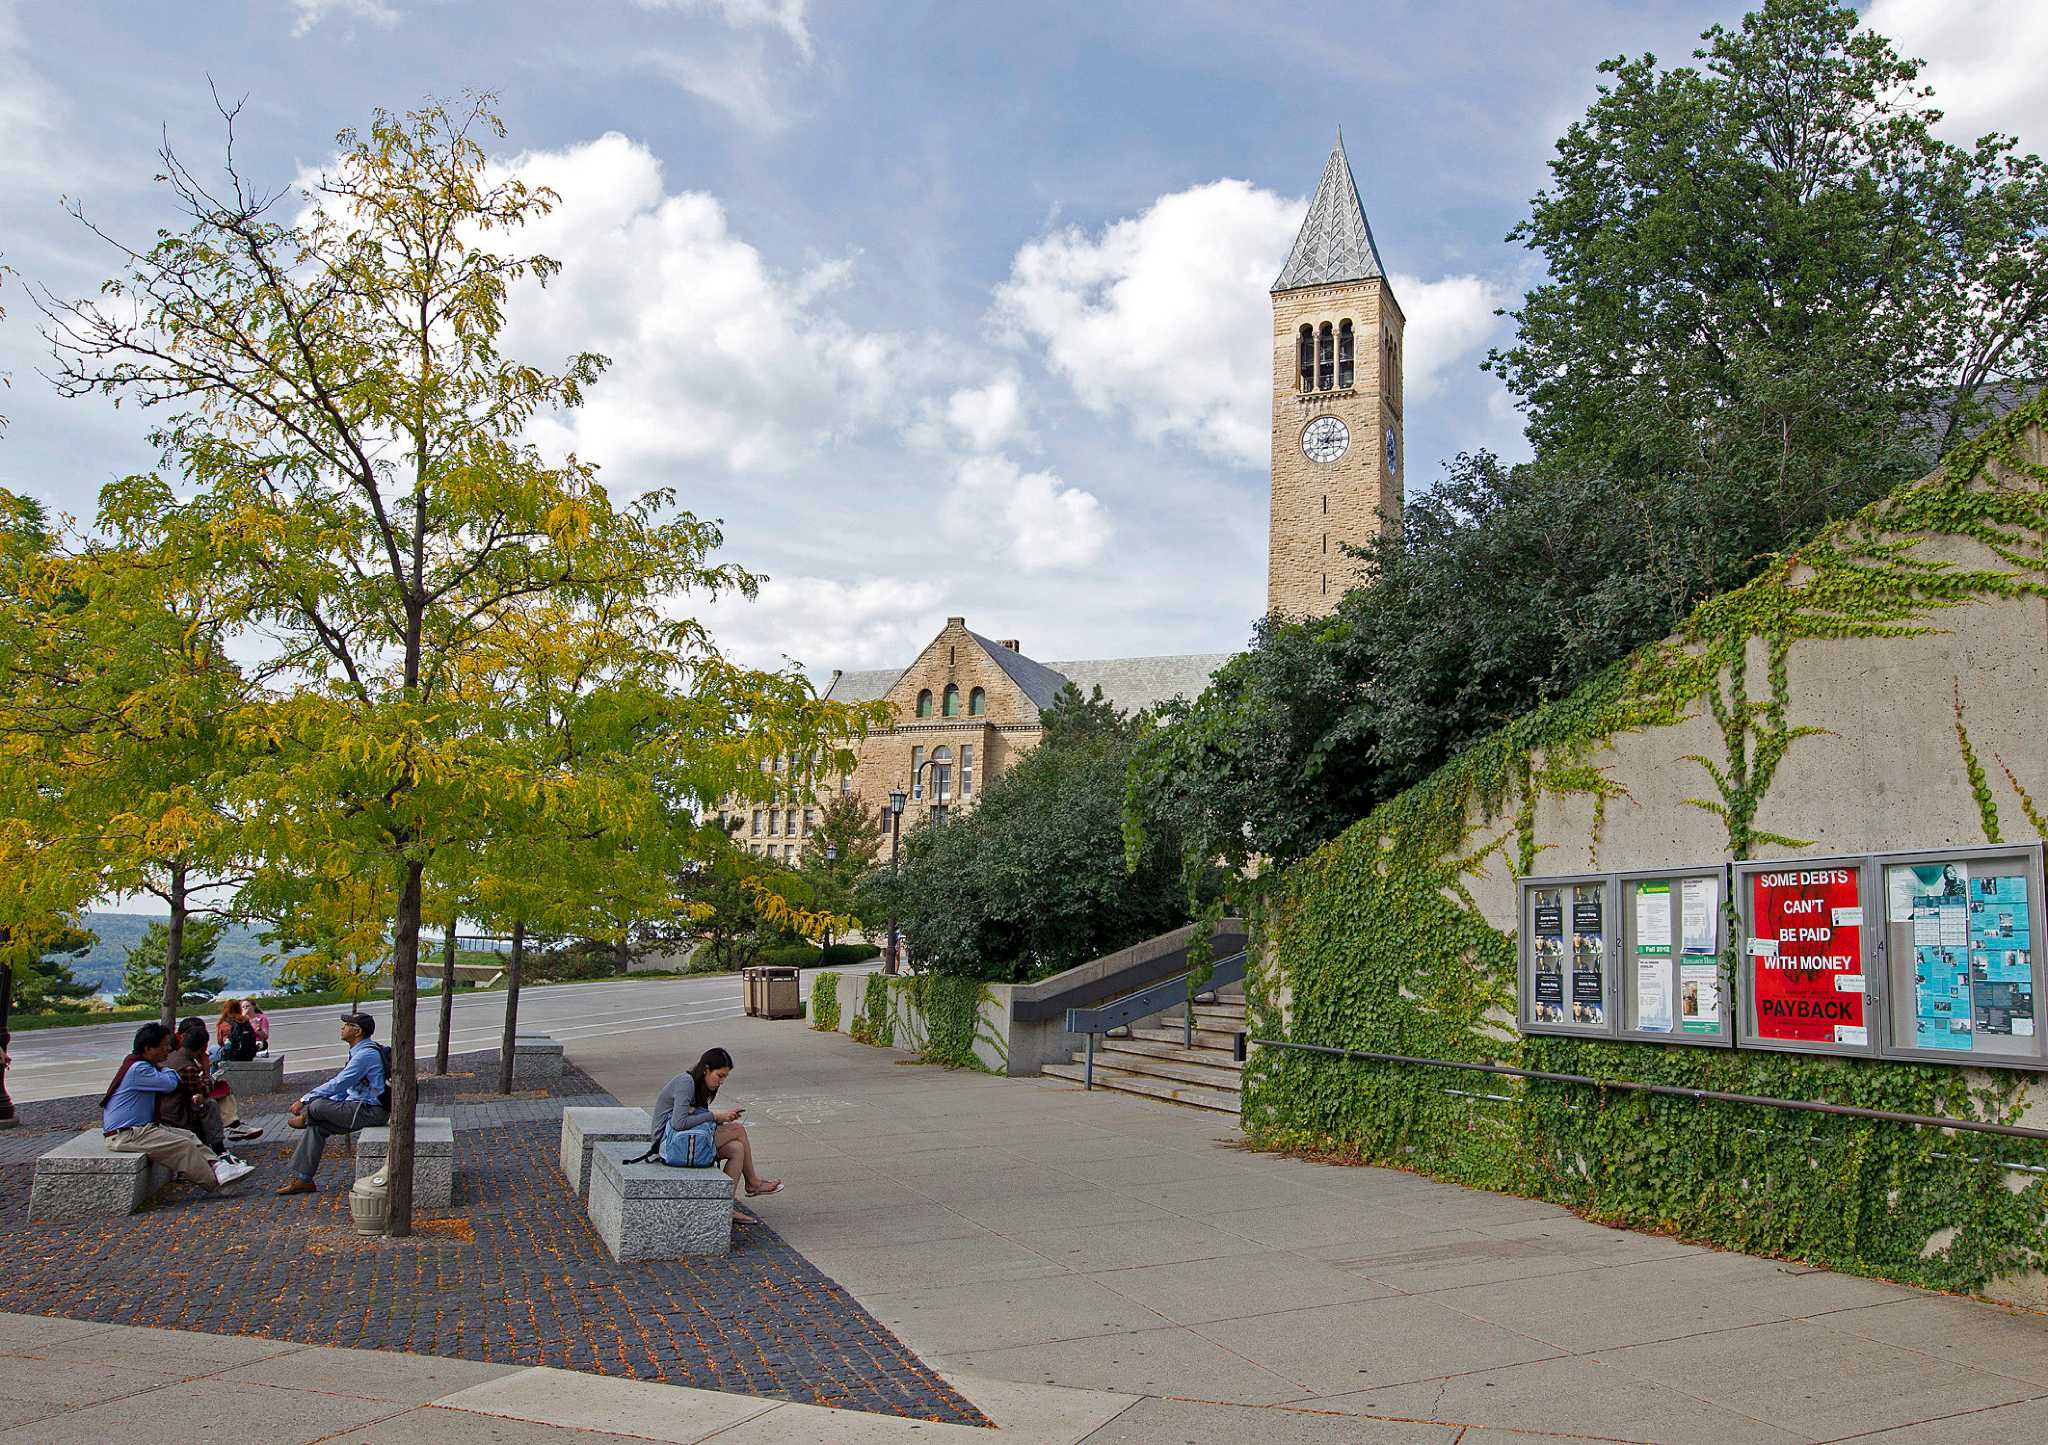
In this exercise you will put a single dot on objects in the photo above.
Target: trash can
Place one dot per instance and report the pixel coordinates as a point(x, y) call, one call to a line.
point(781, 993)
point(369, 1203)
point(750, 991)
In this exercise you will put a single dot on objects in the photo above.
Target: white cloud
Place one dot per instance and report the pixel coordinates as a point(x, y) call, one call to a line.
point(981, 418)
point(1039, 520)
point(1165, 317)
point(312, 12)
point(716, 357)
point(822, 624)
point(743, 83)
point(29, 111)
point(1985, 60)
point(786, 16)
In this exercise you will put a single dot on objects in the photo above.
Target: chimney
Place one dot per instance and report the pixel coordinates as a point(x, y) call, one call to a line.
point(1012, 643)
point(956, 622)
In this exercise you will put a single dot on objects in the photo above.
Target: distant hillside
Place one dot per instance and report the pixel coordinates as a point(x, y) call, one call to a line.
point(239, 959)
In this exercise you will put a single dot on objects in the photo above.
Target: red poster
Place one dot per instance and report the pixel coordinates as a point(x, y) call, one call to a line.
point(1806, 954)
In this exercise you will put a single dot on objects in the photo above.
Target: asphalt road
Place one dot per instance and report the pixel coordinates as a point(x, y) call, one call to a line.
point(54, 1063)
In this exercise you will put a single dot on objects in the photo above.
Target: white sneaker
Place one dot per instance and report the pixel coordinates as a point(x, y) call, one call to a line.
point(229, 1170)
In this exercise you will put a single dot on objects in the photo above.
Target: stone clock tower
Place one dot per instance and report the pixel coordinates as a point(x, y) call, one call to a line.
point(1337, 436)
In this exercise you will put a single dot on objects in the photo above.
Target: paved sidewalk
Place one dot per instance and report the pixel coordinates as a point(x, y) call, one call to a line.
point(1025, 1230)
point(69, 1382)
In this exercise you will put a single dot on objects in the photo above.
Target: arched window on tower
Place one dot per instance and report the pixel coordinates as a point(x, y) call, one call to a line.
point(1344, 359)
point(977, 702)
point(1305, 358)
point(1326, 358)
point(924, 703)
point(949, 706)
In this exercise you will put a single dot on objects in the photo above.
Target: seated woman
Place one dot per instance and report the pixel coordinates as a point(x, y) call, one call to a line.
point(230, 1015)
point(685, 1103)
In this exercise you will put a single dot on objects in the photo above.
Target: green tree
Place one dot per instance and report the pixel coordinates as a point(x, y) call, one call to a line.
point(142, 976)
point(45, 983)
point(841, 848)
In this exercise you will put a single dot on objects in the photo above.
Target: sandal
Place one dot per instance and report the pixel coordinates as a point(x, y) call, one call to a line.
point(775, 1188)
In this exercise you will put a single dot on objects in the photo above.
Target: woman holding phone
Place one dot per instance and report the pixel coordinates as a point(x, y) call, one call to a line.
point(688, 1101)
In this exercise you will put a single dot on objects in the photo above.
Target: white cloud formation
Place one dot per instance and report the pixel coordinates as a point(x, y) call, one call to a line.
point(821, 624)
point(1985, 60)
point(786, 16)
point(743, 83)
point(1164, 317)
point(1040, 521)
point(716, 357)
point(312, 12)
point(980, 418)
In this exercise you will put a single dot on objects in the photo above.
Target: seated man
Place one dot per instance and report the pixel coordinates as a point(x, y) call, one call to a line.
point(128, 1113)
point(216, 1121)
point(356, 1098)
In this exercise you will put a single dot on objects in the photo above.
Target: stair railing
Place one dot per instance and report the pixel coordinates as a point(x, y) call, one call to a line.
point(1148, 1002)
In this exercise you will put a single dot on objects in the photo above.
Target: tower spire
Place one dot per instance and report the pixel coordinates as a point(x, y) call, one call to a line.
point(1335, 242)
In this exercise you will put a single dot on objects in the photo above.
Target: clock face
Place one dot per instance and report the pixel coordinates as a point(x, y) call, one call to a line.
point(1325, 439)
point(1393, 451)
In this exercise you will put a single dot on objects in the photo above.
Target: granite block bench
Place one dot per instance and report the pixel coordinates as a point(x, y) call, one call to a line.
point(433, 1159)
point(536, 1059)
point(584, 1128)
point(263, 1074)
point(655, 1211)
point(83, 1179)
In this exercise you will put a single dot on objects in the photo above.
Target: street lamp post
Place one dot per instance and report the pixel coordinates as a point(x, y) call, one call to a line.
point(897, 799)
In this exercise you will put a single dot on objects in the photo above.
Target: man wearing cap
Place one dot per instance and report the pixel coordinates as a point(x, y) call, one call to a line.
point(353, 1099)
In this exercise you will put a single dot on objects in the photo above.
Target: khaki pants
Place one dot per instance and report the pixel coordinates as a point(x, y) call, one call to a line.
point(177, 1150)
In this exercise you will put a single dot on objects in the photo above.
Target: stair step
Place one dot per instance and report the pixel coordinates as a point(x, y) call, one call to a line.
point(1161, 1049)
point(1233, 1012)
point(1222, 1101)
point(1204, 1038)
point(1209, 1076)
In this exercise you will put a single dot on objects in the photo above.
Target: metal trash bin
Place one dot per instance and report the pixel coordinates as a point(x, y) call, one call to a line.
point(781, 994)
point(752, 995)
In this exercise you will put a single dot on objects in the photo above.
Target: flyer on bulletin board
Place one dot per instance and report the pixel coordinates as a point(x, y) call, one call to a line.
point(1701, 898)
point(1940, 916)
point(1699, 997)
point(1806, 954)
point(1589, 954)
point(1653, 994)
point(2001, 957)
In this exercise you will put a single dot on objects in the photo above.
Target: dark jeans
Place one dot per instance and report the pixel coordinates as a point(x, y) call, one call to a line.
point(325, 1118)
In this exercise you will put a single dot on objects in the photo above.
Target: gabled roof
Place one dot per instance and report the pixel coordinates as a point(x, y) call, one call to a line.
point(1034, 679)
point(1335, 243)
point(1137, 683)
point(863, 686)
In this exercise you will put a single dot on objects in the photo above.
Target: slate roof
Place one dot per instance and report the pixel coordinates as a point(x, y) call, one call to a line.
point(863, 686)
point(1137, 683)
point(1034, 679)
point(1335, 242)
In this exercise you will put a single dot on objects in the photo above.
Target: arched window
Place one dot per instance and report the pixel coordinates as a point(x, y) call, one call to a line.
point(942, 775)
point(977, 702)
point(950, 705)
point(1326, 358)
point(924, 703)
point(1305, 358)
point(1344, 364)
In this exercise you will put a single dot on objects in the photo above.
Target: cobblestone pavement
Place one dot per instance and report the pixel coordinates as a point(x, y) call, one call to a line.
point(513, 1273)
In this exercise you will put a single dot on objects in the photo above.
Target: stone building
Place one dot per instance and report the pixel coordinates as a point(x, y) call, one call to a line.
point(968, 706)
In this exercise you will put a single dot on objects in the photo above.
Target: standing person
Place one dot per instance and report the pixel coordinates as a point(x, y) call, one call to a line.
point(128, 1115)
point(686, 1102)
point(356, 1098)
point(252, 1010)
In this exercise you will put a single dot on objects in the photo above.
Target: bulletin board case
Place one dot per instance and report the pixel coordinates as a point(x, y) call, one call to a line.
point(1672, 944)
point(1805, 961)
point(1566, 929)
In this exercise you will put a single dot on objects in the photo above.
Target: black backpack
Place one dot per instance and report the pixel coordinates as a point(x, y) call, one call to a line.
point(384, 1095)
point(241, 1042)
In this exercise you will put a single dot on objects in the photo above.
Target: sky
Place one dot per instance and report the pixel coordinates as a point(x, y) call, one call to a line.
point(948, 308)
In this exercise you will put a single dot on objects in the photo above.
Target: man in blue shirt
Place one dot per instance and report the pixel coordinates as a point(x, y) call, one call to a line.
point(128, 1115)
point(353, 1099)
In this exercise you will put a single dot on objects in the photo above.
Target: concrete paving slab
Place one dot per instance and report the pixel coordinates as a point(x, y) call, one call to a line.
point(1475, 1258)
point(1086, 1143)
point(1569, 1396)
point(641, 1408)
point(1132, 1243)
point(388, 1375)
point(1239, 1189)
point(1453, 1204)
point(807, 1424)
point(996, 1314)
point(1090, 1209)
point(1354, 1228)
point(869, 1270)
point(1040, 1414)
point(1817, 1381)
point(1190, 1422)
point(215, 1408)
point(1192, 1292)
point(172, 1352)
point(46, 1329)
point(24, 1412)
point(1964, 1332)
point(1172, 1361)
point(36, 1381)
point(1018, 1183)
point(1333, 1349)
point(460, 1427)
point(2023, 1423)
point(1120, 1170)
point(851, 1225)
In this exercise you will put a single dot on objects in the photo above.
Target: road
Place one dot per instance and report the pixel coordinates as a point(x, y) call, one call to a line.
point(55, 1063)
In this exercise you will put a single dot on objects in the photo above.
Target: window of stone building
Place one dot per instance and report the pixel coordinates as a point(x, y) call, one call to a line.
point(810, 819)
point(846, 785)
point(789, 824)
point(942, 775)
point(977, 702)
point(757, 822)
point(916, 773)
point(924, 703)
point(967, 770)
point(789, 852)
point(1344, 362)
point(1326, 358)
point(1305, 358)
point(950, 705)
point(774, 821)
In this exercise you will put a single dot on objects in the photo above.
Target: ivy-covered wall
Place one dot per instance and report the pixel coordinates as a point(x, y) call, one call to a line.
point(959, 1023)
point(1876, 690)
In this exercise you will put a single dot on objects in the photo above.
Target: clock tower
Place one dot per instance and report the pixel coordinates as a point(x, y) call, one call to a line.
point(1337, 436)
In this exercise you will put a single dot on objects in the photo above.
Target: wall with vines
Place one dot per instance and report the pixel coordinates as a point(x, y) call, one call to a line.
point(825, 1003)
point(953, 1022)
point(1826, 707)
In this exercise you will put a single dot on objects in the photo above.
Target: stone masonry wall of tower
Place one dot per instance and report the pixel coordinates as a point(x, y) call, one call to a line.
point(1320, 507)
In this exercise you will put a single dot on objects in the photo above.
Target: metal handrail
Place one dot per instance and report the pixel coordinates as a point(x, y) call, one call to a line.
point(1146, 1002)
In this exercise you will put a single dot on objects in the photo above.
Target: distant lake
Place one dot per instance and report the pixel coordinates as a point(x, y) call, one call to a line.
point(238, 960)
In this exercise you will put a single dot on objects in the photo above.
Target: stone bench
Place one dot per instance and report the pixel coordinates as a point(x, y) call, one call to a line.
point(653, 1211)
point(263, 1074)
point(536, 1059)
point(83, 1179)
point(433, 1159)
point(584, 1128)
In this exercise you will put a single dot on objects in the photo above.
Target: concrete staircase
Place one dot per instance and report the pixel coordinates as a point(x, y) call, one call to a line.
point(1154, 1062)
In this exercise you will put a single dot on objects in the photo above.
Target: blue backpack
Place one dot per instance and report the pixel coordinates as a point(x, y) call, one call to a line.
point(688, 1148)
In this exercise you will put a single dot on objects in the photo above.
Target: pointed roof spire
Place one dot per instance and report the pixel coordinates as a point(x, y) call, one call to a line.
point(1336, 242)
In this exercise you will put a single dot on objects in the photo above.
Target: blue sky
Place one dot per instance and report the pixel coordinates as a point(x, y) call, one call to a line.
point(946, 308)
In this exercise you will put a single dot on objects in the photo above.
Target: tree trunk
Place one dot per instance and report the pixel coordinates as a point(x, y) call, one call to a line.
point(505, 1049)
point(405, 994)
point(447, 995)
point(622, 956)
point(7, 1119)
point(174, 950)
